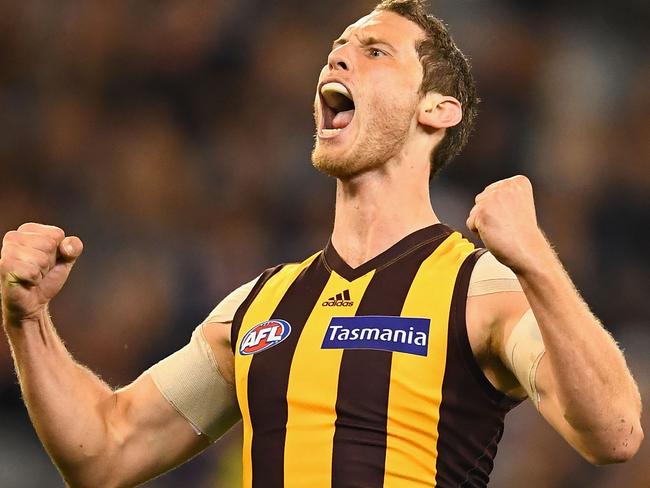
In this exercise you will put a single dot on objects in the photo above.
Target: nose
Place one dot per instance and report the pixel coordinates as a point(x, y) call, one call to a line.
point(338, 59)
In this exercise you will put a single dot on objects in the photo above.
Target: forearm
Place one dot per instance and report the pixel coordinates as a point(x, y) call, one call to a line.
point(593, 385)
point(66, 402)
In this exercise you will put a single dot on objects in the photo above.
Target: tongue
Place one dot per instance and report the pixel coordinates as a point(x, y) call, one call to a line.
point(342, 119)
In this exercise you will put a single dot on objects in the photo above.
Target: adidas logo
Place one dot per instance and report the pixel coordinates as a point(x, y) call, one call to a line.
point(339, 300)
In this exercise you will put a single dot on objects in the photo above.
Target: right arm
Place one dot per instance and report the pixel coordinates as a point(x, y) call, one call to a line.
point(95, 436)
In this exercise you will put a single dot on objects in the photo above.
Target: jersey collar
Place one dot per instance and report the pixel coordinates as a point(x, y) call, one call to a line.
point(393, 254)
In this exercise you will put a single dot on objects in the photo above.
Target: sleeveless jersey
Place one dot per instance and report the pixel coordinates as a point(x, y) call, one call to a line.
point(365, 377)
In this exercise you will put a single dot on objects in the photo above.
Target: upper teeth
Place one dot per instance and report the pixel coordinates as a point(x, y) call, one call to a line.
point(336, 95)
point(335, 87)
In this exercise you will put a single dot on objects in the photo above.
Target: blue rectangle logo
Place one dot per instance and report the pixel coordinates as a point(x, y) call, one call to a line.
point(385, 333)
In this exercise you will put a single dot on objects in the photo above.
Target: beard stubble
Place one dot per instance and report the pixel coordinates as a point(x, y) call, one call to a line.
point(378, 141)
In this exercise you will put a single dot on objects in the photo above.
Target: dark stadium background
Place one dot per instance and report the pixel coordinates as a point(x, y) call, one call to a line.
point(174, 138)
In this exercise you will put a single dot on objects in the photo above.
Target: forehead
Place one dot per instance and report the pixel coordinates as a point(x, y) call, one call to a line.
point(400, 32)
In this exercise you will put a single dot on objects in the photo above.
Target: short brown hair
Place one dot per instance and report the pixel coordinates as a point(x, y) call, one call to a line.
point(446, 71)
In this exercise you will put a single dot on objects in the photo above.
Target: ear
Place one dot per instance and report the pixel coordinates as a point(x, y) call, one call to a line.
point(439, 111)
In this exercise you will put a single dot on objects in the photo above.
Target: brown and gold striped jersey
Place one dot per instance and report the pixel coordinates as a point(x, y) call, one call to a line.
point(365, 377)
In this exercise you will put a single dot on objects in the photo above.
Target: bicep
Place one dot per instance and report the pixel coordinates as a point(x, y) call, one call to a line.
point(151, 435)
point(175, 409)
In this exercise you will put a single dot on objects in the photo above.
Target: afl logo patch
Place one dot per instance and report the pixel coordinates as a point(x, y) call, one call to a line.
point(264, 336)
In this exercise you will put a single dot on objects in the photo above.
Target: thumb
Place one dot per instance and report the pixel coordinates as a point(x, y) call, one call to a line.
point(70, 248)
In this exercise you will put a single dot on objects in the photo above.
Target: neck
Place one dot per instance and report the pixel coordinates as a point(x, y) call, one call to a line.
point(377, 209)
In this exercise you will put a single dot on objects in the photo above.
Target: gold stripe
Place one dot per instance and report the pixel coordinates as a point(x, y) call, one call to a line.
point(311, 393)
point(416, 382)
point(258, 312)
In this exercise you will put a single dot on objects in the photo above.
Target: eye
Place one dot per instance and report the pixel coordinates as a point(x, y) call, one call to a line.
point(373, 52)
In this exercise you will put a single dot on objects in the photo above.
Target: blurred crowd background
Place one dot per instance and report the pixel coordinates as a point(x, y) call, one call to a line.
point(174, 139)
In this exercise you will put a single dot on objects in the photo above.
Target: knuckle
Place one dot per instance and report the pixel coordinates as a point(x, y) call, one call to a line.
point(8, 249)
point(7, 260)
point(58, 233)
point(51, 244)
point(509, 183)
point(523, 181)
point(11, 236)
point(482, 214)
point(55, 233)
point(496, 188)
point(42, 229)
point(28, 227)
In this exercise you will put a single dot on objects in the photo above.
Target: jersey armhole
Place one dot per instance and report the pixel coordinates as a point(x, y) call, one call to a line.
point(458, 328)
point(243, 307)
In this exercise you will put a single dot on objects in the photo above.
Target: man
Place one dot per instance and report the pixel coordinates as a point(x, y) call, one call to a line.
point(388, 359)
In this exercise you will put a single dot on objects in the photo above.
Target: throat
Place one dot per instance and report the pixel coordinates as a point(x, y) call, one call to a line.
point(371, 216)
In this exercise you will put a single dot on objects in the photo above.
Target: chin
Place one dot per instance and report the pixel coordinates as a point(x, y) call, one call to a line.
point(328, 164)
point(340, 166)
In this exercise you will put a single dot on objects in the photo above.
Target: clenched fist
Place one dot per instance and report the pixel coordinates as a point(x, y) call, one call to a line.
point(35, 262)
point(504, 218)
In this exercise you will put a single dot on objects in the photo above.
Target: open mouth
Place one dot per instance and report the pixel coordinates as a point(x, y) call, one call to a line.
point(337, 107)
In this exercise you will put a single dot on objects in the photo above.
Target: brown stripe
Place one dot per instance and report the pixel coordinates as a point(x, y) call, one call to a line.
point(243, 307)
point(359, 451)
point(268, 378)
point(472, 410)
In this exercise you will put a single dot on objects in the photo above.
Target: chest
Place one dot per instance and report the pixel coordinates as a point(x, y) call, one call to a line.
point(310, 345)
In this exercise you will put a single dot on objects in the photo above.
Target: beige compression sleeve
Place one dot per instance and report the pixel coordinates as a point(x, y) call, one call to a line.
point(490, 276)
point(190, 379)
point(191, 382)
point(524, 350)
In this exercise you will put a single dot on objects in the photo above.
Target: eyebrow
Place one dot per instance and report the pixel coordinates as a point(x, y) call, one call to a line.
point(365, 42)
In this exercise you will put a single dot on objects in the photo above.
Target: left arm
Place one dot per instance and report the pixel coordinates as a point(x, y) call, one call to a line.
point(585, 388)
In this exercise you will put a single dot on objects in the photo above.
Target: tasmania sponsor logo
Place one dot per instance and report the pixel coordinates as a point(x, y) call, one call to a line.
point(263, 336)
point(339, 300)
point(386, 333)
